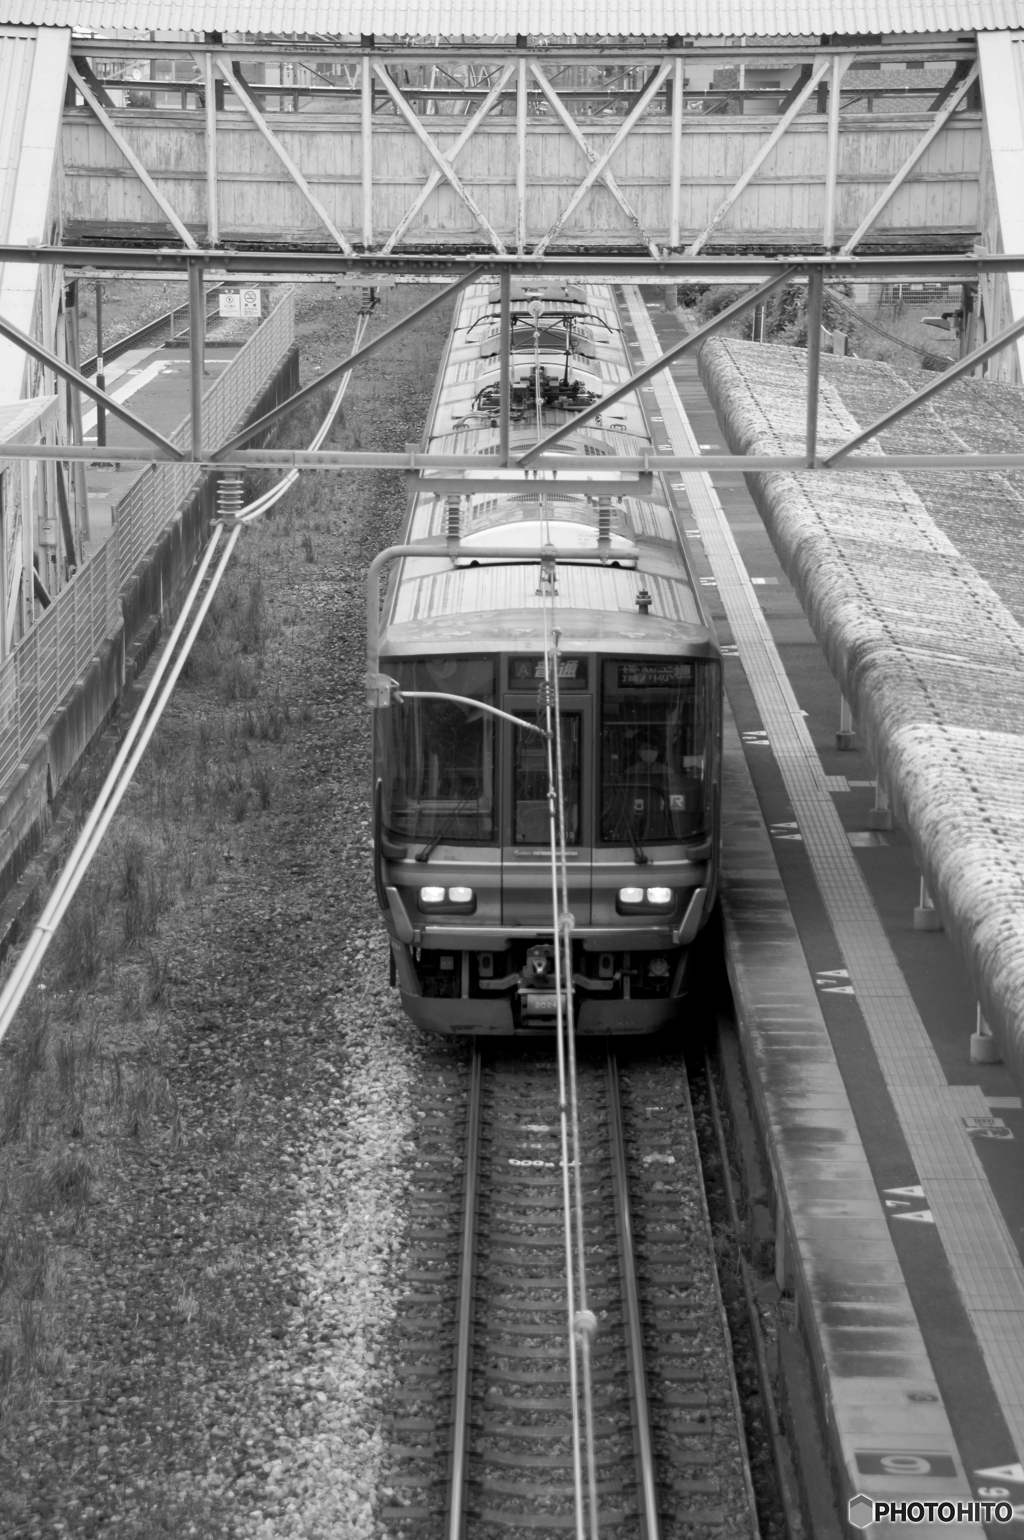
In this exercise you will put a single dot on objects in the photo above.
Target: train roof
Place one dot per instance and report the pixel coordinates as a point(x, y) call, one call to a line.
point(493, 604)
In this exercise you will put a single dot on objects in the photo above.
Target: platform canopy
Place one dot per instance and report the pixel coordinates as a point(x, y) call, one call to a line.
point(513, 19)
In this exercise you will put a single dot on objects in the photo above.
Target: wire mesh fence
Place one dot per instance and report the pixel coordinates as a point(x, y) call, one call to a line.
point(43, 667)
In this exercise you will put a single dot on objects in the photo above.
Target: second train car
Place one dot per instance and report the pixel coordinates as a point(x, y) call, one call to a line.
point(462, 861)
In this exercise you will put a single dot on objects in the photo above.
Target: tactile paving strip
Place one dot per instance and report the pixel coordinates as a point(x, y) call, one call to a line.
point(982, 1256)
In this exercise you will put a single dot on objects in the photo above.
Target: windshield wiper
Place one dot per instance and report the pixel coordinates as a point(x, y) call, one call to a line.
point(428, 850)
point(642, 858)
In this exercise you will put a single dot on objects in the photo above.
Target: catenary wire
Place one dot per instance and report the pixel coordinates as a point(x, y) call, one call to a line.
point(563, 1109)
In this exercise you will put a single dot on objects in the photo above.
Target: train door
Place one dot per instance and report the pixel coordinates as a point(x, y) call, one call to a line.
point(526, 852)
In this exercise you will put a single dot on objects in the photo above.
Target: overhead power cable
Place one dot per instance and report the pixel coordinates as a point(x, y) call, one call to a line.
point(889, 337)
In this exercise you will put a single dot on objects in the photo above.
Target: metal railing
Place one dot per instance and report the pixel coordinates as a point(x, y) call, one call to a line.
point(156, 496)
point(45, 664)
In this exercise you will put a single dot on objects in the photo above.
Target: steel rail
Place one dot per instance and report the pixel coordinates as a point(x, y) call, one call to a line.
point(135, 338)
point(631, 1303)
point(456, 1516)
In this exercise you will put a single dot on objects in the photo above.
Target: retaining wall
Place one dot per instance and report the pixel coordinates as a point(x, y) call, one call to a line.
point(145, 600)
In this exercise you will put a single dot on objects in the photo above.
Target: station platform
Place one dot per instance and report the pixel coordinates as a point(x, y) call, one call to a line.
point(155, 382)
point(897, 1163)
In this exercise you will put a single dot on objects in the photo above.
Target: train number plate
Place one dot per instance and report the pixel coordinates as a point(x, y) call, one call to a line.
point(540, 1003)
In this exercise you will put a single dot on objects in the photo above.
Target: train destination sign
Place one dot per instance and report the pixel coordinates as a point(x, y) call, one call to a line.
point(572, 672)
point(653, 676)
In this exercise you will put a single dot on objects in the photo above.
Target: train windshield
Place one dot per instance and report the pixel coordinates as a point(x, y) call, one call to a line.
point(657, 738)
point(531, 820)
point(439, 754)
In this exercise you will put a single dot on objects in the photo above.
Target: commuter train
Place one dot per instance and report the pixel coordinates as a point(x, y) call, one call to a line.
point(461, 853)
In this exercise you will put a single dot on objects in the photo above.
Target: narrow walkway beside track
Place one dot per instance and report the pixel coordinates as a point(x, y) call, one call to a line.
point(899, 1014)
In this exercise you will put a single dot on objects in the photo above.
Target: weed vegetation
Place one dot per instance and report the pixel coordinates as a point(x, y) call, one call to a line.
point(154, 1086)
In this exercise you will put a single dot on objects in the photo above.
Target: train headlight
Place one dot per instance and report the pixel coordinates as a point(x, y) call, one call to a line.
point(644, 900)
point(454, 900)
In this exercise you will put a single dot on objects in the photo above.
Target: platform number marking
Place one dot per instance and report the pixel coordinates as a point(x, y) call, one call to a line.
point(986, 1128)
point(786, 831)
point(898, 1201)
point(904, 1462)
point(757, 735)
point(834, 981)
point(709, 582)
point(730, 650)
point(1001, 1473)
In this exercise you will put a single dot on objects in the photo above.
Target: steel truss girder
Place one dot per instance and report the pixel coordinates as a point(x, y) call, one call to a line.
point(34, 349)
point(371, 460)
point(755, 51)
point(636, 267)
point(665, 65)
point(778, 273)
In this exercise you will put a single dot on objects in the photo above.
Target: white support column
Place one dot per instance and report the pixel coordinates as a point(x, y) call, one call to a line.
point(676, 172)
point(521, 106)
point(926, 916)
point(212, 219)
point(880, 816)
point(366, 81)
point(846, 736)
point(839, 67)
point(984, 1048)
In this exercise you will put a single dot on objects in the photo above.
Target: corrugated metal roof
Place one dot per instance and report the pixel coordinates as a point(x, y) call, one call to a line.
point(488, 19)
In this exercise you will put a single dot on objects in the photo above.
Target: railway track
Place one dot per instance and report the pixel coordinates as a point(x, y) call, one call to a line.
point(485, 1367)
point(173, 322)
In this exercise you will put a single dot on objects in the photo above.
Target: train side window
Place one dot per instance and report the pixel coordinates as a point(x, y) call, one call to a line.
point(530, 810)
point(657, 733)
point(438, 755)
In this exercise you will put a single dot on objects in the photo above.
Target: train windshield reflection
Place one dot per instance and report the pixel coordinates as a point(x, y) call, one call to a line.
point(657, 736)
point(439, 754)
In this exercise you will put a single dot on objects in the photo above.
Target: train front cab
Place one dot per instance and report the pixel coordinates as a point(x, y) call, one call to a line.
point(462, 854)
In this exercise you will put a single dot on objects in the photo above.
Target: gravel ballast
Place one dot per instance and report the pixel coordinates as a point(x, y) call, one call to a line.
point(209, 1114)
